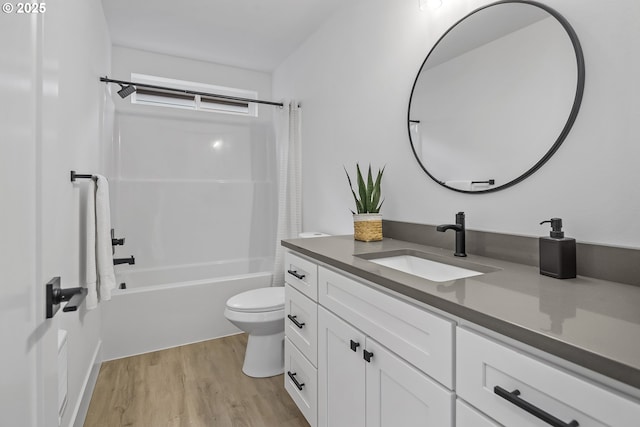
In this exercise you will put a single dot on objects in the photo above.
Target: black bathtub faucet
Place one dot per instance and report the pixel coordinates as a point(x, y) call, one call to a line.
point(460, 232)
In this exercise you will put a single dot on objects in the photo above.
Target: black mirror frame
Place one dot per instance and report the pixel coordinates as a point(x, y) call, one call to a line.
point(577, 101)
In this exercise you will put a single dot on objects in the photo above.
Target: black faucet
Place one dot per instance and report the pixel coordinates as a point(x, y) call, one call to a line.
point(459, 227)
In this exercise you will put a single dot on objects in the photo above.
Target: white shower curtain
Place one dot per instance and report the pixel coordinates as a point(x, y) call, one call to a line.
point(288, 143)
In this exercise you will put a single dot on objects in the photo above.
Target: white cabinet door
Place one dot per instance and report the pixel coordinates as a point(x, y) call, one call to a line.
point(466, 416)
point(341, 373)
point(400, 395)
point(422, 338)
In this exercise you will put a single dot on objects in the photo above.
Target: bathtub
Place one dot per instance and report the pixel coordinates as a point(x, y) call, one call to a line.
point(156, 311)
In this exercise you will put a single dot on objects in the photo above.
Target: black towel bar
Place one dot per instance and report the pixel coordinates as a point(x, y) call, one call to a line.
point(490, 182)
point(75, 176)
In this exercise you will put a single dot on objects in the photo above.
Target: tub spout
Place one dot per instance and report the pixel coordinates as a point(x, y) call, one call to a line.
point(131, 260)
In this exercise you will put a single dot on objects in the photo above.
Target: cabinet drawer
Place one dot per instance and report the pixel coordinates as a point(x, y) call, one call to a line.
point(305, 393)
point(483, 364)
point(301, 274)
point(422, 338)
point(466, 416)
point(301, 323)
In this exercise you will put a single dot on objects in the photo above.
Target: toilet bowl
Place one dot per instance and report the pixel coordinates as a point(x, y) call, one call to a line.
point(260, 313)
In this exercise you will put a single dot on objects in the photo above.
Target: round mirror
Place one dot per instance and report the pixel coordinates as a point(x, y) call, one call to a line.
point(496, 96)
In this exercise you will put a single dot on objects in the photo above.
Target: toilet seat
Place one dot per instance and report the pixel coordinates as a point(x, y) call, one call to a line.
point(258, 300)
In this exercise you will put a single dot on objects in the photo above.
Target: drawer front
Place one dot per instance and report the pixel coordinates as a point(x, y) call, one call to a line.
point(466, 416)
point(483, 364)
point(301, 274)
point(304, 394)
point(301, 323)
point(422, 338)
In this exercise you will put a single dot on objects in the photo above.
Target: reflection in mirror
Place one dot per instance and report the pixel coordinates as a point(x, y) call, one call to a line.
point(496, 96)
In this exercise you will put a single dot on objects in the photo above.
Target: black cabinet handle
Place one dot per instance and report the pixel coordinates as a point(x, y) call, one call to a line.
point(513, 397)
point(296, 274)
point(295, 381)
point(354, 345)
point(367, 355)
point(295, 322)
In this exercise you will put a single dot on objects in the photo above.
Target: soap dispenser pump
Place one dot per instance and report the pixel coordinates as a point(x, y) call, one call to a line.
point(557, 253)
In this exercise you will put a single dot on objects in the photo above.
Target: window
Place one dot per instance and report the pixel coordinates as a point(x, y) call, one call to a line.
point(159, 97)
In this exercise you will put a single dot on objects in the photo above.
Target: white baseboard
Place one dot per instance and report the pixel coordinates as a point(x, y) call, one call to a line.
point(82, 406)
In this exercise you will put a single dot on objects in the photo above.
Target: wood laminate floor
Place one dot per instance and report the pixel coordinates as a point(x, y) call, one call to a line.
point(196, 385)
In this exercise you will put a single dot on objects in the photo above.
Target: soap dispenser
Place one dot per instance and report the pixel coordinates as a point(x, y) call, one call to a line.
point(557, 253)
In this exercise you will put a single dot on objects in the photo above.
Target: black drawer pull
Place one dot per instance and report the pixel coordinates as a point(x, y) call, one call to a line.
point(513, 397)
point(296, 274)
point(295, 381)
point(354, 345)
point(367, 355)
point(295, 322)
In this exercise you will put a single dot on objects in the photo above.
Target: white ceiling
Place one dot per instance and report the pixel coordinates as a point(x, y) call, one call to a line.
point(254, 34)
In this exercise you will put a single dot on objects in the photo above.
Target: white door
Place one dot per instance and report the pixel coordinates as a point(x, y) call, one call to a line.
point(28, 390)
point(341, 373)
point(400, 395)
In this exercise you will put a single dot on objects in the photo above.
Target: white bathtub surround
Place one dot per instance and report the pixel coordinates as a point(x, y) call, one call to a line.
point(288, 125)
point(104, 255)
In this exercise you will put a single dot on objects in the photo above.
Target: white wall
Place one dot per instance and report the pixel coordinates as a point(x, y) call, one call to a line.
point(53, 110)
point(354, 77)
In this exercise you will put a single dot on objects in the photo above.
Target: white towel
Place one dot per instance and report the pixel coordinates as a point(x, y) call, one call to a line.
point(90, 228)
point(104, 255)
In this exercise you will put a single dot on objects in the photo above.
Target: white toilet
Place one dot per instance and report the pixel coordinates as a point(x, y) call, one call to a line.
point(260, 313)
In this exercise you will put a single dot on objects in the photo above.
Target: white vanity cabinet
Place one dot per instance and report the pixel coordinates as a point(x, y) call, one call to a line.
point(359, 357)
point(466, 416)
point(517, 389)
point(420, 337)
point(300, 329)
point(362, 383)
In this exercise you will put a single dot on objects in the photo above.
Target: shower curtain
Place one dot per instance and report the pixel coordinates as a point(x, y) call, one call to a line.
point(288, 143)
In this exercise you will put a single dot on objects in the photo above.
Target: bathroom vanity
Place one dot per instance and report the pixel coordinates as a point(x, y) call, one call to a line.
point(369, 344)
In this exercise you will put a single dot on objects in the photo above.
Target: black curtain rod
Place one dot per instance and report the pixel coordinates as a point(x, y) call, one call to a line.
point(189, 92)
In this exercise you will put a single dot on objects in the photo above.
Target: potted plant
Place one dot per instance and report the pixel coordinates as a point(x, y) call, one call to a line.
point(367, 219)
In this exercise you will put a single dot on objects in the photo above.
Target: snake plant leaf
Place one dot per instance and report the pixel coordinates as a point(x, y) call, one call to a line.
point(370, 190)
point(362, 189)
point(378, 208)
point(355, 198)
point(377, 192)
point(369, 193)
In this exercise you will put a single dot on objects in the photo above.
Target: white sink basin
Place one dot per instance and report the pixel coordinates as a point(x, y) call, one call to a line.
point(431, 270)
point(429, 266)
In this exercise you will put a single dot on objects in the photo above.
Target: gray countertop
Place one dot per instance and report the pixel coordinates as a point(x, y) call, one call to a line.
point(590, 322)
